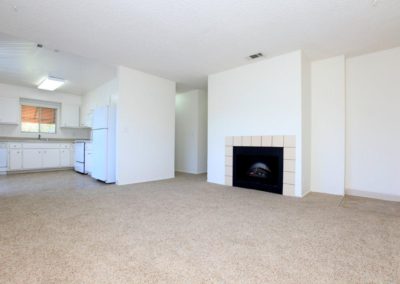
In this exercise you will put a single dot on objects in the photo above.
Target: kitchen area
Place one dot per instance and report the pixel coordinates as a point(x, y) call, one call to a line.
point(92, 154)
point(56, 115)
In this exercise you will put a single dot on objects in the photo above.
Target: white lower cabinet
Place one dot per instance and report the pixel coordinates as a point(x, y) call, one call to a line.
point(65, 157)
point(15, 159)
point(31, 158)
point(50, 158)
point(72, 158)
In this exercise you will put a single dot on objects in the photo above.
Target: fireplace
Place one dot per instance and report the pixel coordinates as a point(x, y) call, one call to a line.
point(258, 168)
point(285, 142)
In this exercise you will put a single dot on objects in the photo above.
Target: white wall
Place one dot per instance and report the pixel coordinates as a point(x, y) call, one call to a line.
point(328, 126)
point(36, 94)
point(186, 132)
point(353, 111)
point(202, 148)
point(373, 124)
point(191, 132)
point(145, 127)
point(305, 125)
point(263, 98)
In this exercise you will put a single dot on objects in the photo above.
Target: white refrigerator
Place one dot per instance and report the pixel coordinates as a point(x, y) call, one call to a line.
point(103, 145)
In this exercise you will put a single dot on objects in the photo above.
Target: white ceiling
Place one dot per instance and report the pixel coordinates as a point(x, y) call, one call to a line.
point(23, 63)
point(185, 40)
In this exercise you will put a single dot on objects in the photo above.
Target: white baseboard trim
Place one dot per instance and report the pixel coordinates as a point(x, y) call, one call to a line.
point(192, 173)
point(39, 170)
point(329, 193)
point(375, 195)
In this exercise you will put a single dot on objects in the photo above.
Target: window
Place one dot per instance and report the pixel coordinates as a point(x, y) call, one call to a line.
point(38, 119)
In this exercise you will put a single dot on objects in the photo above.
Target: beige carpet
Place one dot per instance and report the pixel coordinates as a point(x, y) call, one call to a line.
point(71, 229)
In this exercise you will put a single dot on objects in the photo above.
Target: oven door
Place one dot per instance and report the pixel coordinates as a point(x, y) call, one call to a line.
point(79, 152)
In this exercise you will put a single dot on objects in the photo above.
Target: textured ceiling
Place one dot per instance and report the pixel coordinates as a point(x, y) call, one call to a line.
point(185, 40)
point(24, 63)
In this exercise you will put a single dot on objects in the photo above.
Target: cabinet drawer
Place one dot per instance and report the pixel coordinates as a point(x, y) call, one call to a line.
point(32, 146)
point(65, 146)
point(14, 145)
point(51, 145)
point(41, 145)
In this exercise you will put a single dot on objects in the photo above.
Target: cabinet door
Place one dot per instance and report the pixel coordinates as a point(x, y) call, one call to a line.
point(65, 158)
point(15, 159)
point(71, 157)
point(9, 110)
point(51, 158)
point(32, 158)
point(86, 118)
point(69, 115)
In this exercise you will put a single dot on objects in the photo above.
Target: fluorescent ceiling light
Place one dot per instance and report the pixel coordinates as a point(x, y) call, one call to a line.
point(51, 83)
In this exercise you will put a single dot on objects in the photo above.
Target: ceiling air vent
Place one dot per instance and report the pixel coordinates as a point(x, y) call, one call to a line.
point(255, 56)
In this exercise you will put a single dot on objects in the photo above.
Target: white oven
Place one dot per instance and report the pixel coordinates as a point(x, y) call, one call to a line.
point(79, 150)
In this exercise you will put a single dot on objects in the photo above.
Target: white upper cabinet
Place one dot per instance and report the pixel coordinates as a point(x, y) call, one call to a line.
point(69, 115)
point(86, 118)
point(9, 110)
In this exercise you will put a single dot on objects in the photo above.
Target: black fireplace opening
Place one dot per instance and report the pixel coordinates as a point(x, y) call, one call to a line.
point(258, 168)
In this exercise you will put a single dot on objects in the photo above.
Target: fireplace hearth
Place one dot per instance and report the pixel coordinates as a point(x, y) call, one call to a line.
point(258, 168)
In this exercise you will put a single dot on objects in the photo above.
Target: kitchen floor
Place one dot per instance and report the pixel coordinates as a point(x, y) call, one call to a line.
point(29, 183)
point(62, 227)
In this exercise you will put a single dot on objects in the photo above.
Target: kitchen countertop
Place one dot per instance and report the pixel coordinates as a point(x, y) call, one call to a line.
point(32, 140)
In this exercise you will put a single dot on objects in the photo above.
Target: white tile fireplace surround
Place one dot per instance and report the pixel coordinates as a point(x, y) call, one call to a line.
point(289, 156)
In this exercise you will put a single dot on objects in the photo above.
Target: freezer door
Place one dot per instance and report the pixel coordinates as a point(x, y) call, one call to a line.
point(100, 118)
point(99, 154)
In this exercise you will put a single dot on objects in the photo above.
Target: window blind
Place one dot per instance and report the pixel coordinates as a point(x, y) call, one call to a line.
point(38, 119)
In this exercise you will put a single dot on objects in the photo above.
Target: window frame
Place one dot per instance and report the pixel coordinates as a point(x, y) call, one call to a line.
point(40, 104)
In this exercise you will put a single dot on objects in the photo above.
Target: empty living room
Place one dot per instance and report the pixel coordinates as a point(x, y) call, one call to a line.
point(183, 141)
